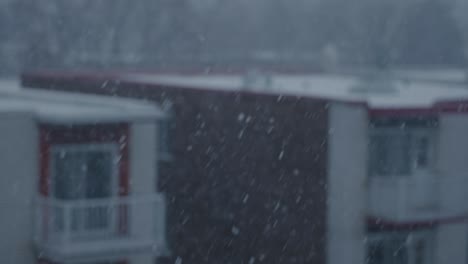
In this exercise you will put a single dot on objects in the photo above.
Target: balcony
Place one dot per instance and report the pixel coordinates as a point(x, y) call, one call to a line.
point(417, 198)
point(80, 229)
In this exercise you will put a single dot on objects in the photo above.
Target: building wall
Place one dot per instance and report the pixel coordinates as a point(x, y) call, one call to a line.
point(148, 219)
point(19, 166)
point(451, 238)
point(346, 218)
point(453, 160)
point(247, 182)
point(143, 157)
point(450, 244)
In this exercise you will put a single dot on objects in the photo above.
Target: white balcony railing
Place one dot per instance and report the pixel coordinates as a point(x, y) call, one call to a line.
point(73, 229)
point(409, 198)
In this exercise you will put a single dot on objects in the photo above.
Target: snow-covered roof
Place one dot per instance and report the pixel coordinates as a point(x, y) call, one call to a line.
point(437, 74)
point(67, 108)
point(379, 93)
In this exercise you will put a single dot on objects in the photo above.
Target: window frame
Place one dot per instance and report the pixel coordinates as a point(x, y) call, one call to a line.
point(111, 148)
point(412, 133)
point(410, 238)
point(105, 147)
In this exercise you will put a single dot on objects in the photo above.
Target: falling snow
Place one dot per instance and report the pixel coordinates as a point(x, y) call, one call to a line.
point(280, 156)
point(243, 171)
point(246, 198)
point(235, 230)
point(241, 117)
point(241, 134)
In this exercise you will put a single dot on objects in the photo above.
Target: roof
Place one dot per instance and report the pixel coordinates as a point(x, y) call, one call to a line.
point(424, 89)
point(436, 74)
point(376, 92)
point(66, 107)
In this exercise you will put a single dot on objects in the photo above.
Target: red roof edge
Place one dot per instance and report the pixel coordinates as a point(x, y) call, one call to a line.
point(375, 224)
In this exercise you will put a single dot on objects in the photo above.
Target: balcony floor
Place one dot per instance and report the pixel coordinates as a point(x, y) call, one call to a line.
point(101, 248)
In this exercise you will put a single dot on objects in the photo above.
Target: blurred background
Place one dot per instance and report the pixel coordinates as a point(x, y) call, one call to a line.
point(208, 34)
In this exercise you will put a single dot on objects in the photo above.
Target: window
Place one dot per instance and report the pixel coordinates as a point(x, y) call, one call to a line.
point(422, 150)
point(79, 173)
point(400, 247)
point(391, 250)
point(400, 148)
point(389, 153)
point(83, 171)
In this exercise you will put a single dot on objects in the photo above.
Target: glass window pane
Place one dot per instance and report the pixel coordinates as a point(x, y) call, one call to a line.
point(389, 154)
point(98, 177)
point(421, 149)
point(375, 254)
point(82, 173)
point(69, 170)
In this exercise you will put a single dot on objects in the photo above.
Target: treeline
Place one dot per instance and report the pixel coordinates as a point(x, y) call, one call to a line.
point(155, 33)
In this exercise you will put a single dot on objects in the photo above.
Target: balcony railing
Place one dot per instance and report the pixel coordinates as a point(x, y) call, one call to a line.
point(409, 199)
point(74, 229)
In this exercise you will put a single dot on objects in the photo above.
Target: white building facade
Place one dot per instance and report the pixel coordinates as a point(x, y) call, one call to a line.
point(398, 180)
point(79, 179)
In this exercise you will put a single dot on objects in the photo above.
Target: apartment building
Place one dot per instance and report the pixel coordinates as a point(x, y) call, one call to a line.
point(304, 168)
point(78, 178)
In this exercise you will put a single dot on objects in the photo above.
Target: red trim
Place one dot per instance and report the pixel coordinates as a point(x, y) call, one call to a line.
point(117, 73)
point(457, 106)
point(378, 224)
point(46, 261)
point(404, 112)
point(44, 150)
point(44, 182)
point(460, 106)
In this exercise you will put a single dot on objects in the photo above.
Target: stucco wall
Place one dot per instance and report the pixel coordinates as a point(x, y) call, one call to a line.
point(451, 238)
point(18, 184)
point(346, 184)
point(148, 219)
